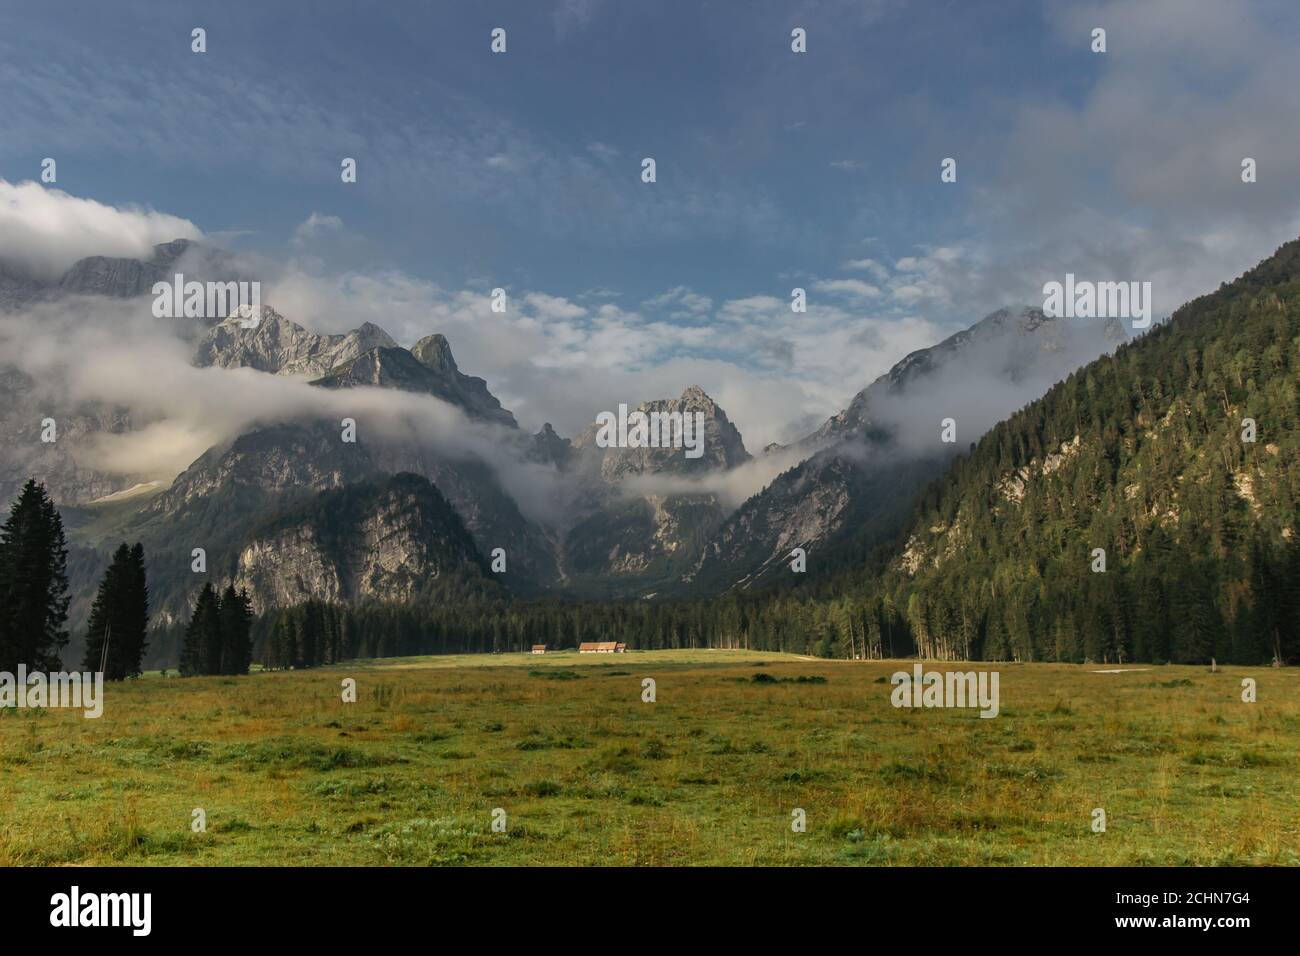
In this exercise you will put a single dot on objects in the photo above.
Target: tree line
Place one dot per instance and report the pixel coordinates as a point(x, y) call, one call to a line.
point(34, 596)
point(218, 639)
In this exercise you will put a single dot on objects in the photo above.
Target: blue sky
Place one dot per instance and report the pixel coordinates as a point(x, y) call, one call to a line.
point(774, 169)
point(525, 165)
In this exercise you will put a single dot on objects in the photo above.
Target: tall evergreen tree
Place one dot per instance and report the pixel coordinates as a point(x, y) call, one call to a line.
point(236, 632)
point(33, 583)
point(202, 635)
point(119, 615)
point(138, 608)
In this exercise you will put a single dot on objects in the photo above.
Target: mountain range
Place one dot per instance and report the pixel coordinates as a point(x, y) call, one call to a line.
point(569, 516)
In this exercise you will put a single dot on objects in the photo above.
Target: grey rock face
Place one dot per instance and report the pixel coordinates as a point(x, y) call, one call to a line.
point(56, 464)
point(549, 448)
point(390, 545)
point(282, 347)
point(723, 446)
point(428, 368)
point(124, 278)
point(231, 490)
point(115, 277)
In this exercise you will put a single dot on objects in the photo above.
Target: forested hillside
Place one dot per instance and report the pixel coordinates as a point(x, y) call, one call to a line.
point(1147, 455)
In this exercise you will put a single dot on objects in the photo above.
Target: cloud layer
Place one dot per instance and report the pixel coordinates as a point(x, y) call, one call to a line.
point(44, 231)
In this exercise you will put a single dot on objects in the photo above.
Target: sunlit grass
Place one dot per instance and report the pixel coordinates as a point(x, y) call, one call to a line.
point(588, 774)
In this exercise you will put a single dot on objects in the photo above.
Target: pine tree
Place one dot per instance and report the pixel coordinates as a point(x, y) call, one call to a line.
point(236, 615)
point(120, 614)
point(202, 635)
point(33, 583)
point(137, 617)
point(280, 652)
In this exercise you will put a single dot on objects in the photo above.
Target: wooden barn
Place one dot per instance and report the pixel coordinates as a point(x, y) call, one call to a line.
point(539, 648)
point(600, 647)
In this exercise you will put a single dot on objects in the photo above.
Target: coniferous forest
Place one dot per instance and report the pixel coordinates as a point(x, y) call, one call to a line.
point(218, 638)
point(1143, 510)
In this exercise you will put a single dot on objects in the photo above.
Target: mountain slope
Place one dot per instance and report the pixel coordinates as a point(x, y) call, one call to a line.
point(1140, 454)
point(263, 473)
point(386, 541)
point(867, 463)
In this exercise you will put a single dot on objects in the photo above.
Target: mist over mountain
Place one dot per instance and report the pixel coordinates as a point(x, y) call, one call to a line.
point(194, 434)
point(865, 465)
point(23, 283)
point(1145, 508)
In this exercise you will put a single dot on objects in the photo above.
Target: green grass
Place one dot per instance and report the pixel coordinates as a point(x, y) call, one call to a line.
point(588, 774)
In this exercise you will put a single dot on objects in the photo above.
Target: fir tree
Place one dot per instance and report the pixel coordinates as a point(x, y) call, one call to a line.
point(33, 583)
point(119, 615)
point(236, 614)
point(202, 636)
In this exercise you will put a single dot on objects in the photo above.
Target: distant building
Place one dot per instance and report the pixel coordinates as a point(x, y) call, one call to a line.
point(620, 649)
point(539, 648)
point(599, 647)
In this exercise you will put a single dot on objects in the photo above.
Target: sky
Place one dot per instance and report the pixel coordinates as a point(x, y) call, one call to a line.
point(775, 170)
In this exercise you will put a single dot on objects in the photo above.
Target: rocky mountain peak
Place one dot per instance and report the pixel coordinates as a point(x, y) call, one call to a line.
point(283, 347)
point(434, 351)
point(722, 445)
point(395, 367)
point(549, 447)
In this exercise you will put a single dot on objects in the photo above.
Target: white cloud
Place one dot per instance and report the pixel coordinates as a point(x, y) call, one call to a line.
point(867, 265)
point(553, 306)
point(46, 230)
point(853, 288)
point(680, 303)
point(316, 225)
point(778, 374)
point(1138, 177)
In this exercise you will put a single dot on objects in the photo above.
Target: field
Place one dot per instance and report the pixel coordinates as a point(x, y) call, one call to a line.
point(710, 773)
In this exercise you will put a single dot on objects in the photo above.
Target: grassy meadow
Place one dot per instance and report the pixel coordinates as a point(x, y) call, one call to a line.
point(709, 773)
